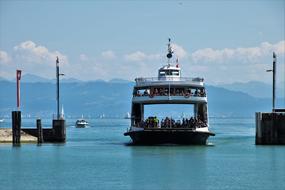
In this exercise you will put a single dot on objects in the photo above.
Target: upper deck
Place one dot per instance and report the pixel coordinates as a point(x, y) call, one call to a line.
point(173, 81)
point(169, 99)
point(169, 87)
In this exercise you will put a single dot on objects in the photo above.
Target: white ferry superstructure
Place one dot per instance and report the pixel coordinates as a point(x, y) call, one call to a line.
point(169, 88)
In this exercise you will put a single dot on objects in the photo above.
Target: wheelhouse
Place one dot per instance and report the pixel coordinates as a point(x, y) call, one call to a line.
point(169, 72)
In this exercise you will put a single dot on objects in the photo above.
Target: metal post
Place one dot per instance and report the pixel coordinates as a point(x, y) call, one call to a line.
point(40, 131)
point(168, 90)
point(16, 127)
point(18, 78)
point(57, 86)
point(274, 80)
point(59, 132)
point(273, 70)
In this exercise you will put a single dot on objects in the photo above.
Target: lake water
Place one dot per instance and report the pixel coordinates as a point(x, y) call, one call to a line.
point(98, 158)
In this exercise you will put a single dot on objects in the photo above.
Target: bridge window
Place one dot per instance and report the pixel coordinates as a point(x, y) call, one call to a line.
point(169, 73)
point(162, 73)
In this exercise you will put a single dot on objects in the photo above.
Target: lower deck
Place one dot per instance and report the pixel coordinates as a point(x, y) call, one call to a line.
point(169, 136)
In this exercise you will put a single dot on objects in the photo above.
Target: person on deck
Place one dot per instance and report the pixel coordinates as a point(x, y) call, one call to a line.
point(156, 121)
point(196, 92)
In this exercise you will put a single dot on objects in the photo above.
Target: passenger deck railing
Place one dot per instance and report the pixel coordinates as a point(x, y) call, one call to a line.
point(142, 81)
point(167, 95)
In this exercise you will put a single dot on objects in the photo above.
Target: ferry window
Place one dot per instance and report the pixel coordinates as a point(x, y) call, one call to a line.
point(169, 73)
point(162, 73)
point(176, 73)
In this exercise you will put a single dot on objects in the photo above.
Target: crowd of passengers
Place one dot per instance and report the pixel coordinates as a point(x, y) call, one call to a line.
point(153, 122)
point(173, 92)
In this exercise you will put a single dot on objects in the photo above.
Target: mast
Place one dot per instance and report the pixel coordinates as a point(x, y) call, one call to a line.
point(18, 78)
point(57, 86)
point(170, 51)
point(274, 81)
point(169, 56)
point(273, 70)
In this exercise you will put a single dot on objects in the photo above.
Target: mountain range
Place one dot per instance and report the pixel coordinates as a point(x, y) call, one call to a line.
point(113, 98)
point(30, 78)
point(256, 89)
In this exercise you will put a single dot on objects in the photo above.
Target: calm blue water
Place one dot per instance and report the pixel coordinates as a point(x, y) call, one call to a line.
point(97, 158)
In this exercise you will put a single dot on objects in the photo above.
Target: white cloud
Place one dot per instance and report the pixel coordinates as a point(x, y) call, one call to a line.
point(279, 47)
point(29, 52)
point(179, 51)
point(4, 57)
point(83, 57)
point(213, 63)
point(31, 58)
point(251, 54)
point(108, 55)
point(239, 64)
point(136, 56)
point(139, 56)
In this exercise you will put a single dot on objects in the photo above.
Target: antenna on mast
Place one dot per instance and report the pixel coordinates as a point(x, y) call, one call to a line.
point(170, 51)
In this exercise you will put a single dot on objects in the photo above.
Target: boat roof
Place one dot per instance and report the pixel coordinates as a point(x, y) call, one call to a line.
point(170, 67)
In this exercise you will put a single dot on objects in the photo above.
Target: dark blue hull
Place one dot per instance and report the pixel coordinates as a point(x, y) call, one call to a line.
point(169, 136)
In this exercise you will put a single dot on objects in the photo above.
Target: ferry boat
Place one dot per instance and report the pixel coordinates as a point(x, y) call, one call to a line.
point(169, 88)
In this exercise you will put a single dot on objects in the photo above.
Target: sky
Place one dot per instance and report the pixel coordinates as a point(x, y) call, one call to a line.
point(224, 41)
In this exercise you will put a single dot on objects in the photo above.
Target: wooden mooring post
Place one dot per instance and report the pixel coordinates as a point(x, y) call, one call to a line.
point(270, 128)
point(40, 131)
point(16, 127)
point(59, 133)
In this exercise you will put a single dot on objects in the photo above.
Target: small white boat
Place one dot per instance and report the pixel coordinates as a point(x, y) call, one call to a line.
point(81, 123)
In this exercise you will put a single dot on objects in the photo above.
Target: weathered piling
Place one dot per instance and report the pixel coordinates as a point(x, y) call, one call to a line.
point(58, 126)
point(270, 128)
point(16, 127)
point(40, 131)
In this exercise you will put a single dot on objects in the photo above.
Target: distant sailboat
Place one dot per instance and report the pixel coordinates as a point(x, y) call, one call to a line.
point(62, 113)
point(127, 116)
